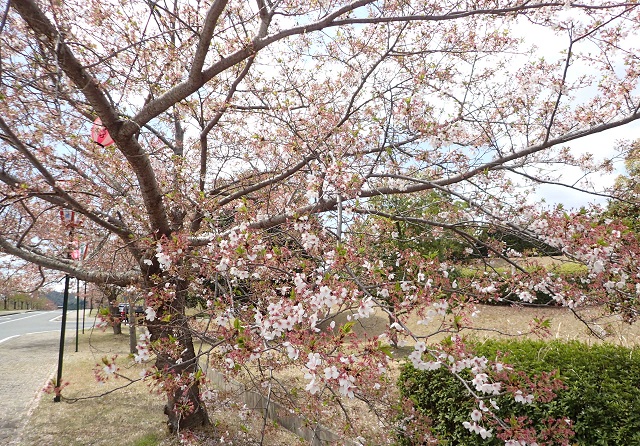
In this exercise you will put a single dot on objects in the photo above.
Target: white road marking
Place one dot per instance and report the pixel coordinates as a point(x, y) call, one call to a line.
point(10, 337)
point(22, 318)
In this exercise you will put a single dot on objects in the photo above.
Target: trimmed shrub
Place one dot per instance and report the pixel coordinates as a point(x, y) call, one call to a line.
point(602, 394)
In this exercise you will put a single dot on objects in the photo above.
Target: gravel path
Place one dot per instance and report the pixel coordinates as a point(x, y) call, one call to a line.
point(26, 364)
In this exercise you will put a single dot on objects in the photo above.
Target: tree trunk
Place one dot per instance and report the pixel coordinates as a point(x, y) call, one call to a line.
point(184, 408)
point(133, 341)
point(115, 314)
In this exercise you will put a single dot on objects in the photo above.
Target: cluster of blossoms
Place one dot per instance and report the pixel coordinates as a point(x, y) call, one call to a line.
point(476, 428)
point(337, 177)
point(163, 259)
point(53, 388)
point(106, 320)
point(279, 318)
point(289, 300)
point(608, 250)
point(143, 348)
point(439, 308)
point(416, 358)
point(107, 369)
point(312, 365)
point(340, 373)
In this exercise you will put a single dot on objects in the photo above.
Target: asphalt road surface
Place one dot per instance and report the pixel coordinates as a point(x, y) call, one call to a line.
point(29, 345)
point(20, 324)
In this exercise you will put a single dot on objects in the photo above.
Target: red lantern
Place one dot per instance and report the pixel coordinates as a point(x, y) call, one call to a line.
point(100, 134)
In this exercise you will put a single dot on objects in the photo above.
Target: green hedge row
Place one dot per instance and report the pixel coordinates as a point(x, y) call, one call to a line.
point(602, 397)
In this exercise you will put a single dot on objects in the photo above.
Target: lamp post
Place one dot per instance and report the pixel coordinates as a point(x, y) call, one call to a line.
point(77, 310)
point(68, 221)
point(84, 249)
point(84, 305)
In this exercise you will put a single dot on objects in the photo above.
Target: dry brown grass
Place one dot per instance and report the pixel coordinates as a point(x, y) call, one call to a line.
point(134, 416)
point(494, 321)
point(115, 418)
point(130, 416)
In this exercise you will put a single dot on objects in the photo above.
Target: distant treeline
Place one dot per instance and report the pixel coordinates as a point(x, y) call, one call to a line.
point(25, 301)
point(57, 297)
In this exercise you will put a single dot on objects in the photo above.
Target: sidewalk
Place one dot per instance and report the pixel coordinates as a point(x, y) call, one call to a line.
point(71, 315)
point(26, 364)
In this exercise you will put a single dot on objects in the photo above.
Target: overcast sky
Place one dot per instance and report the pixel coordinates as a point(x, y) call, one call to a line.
point(602, 145)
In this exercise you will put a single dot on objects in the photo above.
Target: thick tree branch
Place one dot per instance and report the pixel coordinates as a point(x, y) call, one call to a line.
point(138, 159)
point(210, 22)
point(498, 163)
point(454, 15)
point(69, 267)
point(54, 39)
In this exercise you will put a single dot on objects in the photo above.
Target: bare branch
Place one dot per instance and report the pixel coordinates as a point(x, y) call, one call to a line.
point(99, 276)
point(210, 22)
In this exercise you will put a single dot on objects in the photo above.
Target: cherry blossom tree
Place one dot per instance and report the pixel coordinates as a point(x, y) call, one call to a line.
point(241, 145)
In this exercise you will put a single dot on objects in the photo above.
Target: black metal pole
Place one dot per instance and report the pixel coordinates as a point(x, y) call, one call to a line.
point(65, 304)
point(84, 305)
point(77, 310)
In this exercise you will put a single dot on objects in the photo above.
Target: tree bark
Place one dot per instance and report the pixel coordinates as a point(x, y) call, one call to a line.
point(184, 407)
point(133, 341)
point(115, 314)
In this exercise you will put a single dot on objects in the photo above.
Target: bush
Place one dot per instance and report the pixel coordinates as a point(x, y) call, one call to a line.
point(602, 395)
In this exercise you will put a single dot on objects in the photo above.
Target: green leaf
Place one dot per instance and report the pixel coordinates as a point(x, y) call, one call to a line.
point(346, 328)
point(386, 349)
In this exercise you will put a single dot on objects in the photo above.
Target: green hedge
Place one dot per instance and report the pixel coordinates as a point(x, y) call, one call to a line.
point(602, 395)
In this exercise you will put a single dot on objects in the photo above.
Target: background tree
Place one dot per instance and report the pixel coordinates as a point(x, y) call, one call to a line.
point(627, 189)
point(236, 121)
point(112, 313)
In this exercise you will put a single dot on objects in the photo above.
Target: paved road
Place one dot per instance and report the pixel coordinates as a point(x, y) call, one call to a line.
point(31, 322)
point(29, 345)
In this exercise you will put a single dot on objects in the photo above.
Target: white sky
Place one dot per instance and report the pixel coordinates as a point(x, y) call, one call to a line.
point(601, 145)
